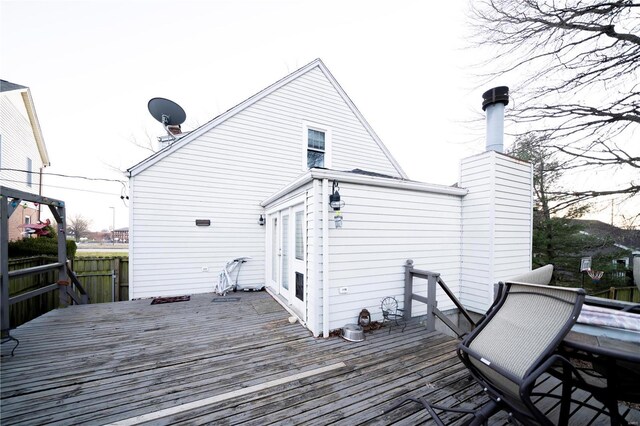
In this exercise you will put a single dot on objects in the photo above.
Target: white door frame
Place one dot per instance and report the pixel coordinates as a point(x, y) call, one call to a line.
point(298, 258)
point(274, 253)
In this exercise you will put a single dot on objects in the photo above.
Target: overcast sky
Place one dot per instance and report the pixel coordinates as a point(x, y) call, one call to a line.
point(92, 66)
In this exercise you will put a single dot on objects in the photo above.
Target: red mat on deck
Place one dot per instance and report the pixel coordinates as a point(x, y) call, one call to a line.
point(159, 300)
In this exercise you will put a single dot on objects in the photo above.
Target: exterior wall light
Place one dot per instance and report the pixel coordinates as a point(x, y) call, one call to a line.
point(336, 204)
point(261, 220)
point(334, 199)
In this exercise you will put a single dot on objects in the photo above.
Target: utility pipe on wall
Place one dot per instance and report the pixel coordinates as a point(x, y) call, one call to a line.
point(325, 258)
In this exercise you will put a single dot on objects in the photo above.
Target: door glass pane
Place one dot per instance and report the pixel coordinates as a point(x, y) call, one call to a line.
point(285, 252)
point(300, 286)
point(274, 250)
point(299, 236)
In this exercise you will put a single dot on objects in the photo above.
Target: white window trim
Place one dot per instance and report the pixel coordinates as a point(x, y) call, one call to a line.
point(306, 125)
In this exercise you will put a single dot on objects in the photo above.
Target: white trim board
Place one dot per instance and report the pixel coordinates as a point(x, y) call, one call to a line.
point(350, 177)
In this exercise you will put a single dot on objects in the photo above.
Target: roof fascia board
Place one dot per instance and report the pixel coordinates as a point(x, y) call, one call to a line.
point(348, 177)
point(219, 119)
point(297, 183)
point(361, 118)
point(35, 126)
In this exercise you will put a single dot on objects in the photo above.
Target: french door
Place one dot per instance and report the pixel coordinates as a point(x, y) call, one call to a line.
point(287, 252)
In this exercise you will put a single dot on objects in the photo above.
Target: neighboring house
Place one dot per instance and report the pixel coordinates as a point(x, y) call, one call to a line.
point(621, 245)
point(628, 239)
point(256, 181)
point(23, 153)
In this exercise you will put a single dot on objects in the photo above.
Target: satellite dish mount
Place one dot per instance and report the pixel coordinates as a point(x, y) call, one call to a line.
point(167, 112)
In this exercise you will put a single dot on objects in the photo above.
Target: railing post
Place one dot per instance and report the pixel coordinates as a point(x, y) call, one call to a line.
point(63, 297)
point(432, 281)
point(5, 325)
point(408, 288)
point(612, 293)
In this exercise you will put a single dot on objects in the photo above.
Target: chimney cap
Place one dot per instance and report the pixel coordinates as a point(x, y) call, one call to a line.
point(496, 95)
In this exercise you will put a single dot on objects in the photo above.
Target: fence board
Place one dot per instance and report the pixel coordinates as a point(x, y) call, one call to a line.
point(95, 275)
point(624, 294)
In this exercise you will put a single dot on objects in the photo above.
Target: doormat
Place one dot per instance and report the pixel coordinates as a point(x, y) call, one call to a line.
point(226, 299)
point(159, 300)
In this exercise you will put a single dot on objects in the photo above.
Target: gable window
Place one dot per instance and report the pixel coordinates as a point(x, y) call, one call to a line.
point(29, 170)
point(315, 148)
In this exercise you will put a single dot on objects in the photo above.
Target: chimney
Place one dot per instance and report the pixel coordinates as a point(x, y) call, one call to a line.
point(493, 102)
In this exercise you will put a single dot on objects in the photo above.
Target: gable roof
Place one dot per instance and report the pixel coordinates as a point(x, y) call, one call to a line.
point(154, 158)
point(7, 86)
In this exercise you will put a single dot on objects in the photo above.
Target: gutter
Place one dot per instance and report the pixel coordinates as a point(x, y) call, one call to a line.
point(349, 177)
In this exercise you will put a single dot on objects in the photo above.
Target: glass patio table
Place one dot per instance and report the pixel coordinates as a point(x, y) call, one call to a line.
point(604, 346)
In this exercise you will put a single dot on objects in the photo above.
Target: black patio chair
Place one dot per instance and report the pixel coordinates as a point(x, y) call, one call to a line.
point(508, 351)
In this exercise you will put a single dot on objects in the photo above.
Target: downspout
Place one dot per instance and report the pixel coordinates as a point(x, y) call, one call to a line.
point(325, 258)
point(316, 261)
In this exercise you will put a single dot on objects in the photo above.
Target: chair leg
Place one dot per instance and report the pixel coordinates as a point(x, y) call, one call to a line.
point(480, 417)
point(565, 401)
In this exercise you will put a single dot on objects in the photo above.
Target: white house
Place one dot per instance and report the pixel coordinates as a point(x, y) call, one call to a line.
point(279, 156)
point(23, 153)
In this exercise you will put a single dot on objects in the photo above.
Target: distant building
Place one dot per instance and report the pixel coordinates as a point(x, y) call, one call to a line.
point(121, 235)
point(23, 153)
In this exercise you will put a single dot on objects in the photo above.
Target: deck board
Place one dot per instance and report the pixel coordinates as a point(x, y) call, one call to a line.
point(99, 364)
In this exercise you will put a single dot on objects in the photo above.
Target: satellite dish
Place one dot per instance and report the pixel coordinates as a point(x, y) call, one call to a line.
point(167, 112)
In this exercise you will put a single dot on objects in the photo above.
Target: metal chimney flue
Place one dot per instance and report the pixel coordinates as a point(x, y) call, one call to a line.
point(493, 102)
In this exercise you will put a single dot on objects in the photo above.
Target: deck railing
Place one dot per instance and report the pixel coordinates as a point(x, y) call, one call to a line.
point(433, 280)
point(67, 289)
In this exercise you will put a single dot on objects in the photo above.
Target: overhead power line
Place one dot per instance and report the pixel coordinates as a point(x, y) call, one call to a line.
point(64, 175)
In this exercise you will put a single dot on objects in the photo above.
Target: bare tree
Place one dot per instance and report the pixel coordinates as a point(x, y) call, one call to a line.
point(551, 199)
point(78, 226)
point(578, 67)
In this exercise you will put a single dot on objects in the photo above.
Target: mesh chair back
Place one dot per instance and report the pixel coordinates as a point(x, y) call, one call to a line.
point(541, 275)
point(519, 334)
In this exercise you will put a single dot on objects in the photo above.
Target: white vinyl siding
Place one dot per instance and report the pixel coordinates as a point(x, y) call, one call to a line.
point(18, 143)
point(497, 225)
point(223, 176)
point(382, 228)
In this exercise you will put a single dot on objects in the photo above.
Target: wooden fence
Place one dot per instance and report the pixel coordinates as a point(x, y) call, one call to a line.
point(106, 279)
point(625, 294)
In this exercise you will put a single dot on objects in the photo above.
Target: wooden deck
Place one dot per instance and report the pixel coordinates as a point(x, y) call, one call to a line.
point(201, 362)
